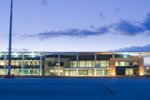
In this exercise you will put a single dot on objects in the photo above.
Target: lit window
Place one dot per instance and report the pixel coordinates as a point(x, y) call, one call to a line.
point(89, 63)
point(16, 54)
point(2, 63)
point(104, 64)
point(97, 65)
point(147, 68)
point(122, 63)
point(33, 54)
point(82, 64)
point(73, 64)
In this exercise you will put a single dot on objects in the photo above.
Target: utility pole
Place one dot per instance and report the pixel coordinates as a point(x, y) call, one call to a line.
point(10, 39)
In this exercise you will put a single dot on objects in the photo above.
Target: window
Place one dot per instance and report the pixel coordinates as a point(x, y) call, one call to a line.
point(73, 63)
point(121, 63)
point(2, 63)
point(102, 72)
point(72, 72)
point(82, 63)
point(89, 63)
point(97, 65)
point(83, 72)
point(56, 64)
point(135, 63)
point(104, 63)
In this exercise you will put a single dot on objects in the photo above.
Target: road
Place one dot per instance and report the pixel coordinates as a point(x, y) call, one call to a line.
point(75, 89)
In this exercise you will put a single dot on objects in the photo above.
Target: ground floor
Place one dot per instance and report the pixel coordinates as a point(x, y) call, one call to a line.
point(71, 71)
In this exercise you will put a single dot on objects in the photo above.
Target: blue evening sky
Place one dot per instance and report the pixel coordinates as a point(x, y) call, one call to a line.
point(76, 25)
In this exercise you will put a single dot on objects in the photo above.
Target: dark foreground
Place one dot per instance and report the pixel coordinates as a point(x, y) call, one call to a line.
point(75, 89)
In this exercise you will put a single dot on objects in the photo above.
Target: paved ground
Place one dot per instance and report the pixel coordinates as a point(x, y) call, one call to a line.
point(75, 89)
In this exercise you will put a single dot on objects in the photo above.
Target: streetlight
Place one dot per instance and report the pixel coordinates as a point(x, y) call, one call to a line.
point(10, 39)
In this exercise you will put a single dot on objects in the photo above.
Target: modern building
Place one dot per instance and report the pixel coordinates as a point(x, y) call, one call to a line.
point(73, 63)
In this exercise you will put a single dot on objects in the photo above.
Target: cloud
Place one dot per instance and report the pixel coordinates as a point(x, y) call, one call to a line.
point(132, 28)
point(18, 50)
point(102, 15)
point(145, 48)
point(146, 22)
point(71, 33)
point(44, 2)
point(125, 27)
point(116, 11)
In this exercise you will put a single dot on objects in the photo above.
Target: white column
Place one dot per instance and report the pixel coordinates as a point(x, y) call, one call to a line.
point(77, 60)
point(77, 72)
point(23, 63)
point(140, 55)
point(5, 63)
point(41, 65)
point(95, 72)
point(95, 59)
point(59, 64)
point(113, 55)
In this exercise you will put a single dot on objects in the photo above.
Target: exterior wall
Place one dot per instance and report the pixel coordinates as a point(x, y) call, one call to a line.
point(58, 70)
point(141, 67)
point(132, 59)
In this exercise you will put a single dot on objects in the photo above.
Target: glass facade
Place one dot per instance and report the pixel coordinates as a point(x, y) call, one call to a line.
point(126, 63)
point(102, 63)
point(103, 72)
point(20, 65)
point(98, 64)
point(73, 64)
point(87, 65)
point(70, 73)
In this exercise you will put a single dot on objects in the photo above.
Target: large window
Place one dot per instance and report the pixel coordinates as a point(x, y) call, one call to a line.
point(89, 63)
point(97, 65)
point(16, 62)
point(31, 62)
point(54, 63)
point(83, 72)
point(121, 63)
point(102, 72)
point(70, 72)
point(104, 63)
point(73, 63)
point(2, 62)
point(82, 63)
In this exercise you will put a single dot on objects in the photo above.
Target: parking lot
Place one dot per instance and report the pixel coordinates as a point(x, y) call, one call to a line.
point(74, 88)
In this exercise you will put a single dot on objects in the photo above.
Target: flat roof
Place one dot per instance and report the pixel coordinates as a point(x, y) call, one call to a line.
point(82, 53)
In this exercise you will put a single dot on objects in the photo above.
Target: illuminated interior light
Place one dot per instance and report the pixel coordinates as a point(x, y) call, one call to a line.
point(0, 54)
point(113, 74)
point(33, 54)
point(52, 71)
point(16, 54)
point(147, 68)
point(2, 63)
point(141, 73)
point(61, 71)
point(125, 56)
point(130, 54)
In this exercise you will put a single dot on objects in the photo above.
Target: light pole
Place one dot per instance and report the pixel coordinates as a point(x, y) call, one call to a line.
point(10, 39)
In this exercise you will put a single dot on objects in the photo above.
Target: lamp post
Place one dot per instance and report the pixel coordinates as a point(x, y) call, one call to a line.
point(10, 39)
